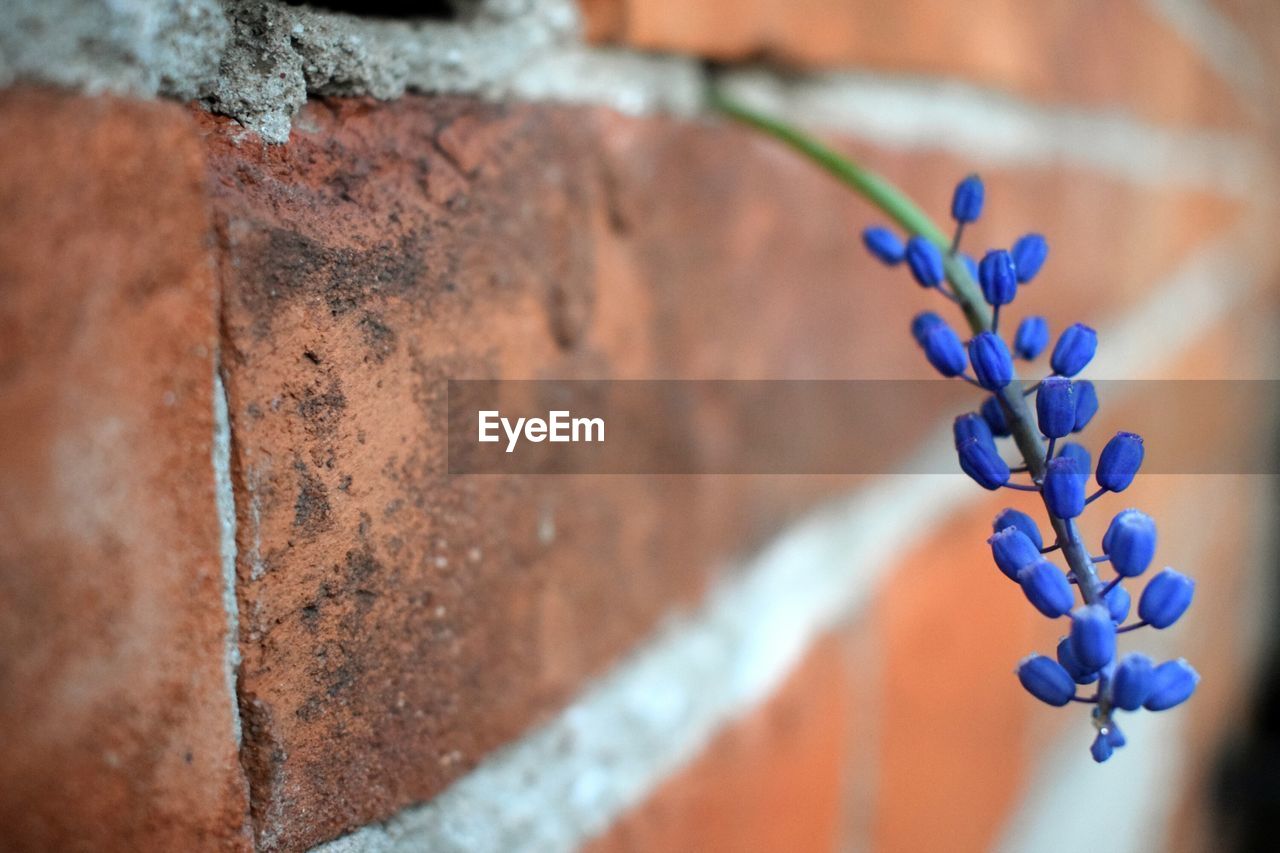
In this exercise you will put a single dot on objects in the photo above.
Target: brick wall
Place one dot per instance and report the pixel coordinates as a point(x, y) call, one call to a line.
point(243, 607)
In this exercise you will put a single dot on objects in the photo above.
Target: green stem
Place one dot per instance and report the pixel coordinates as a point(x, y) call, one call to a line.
point(894, 203)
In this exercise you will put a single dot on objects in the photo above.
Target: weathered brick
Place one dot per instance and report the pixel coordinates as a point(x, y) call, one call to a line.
point(1097, 53)
point(116, 713)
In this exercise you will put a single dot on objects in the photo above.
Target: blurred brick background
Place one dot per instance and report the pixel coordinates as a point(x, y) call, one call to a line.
point(394, 629)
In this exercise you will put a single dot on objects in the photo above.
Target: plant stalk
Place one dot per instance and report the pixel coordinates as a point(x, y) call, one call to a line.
point(908, 215)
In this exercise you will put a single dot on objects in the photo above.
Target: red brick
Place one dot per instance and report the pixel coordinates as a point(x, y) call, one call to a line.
point(953, 733)
point(1097, 53)
point(115, 710)
point(770, 781)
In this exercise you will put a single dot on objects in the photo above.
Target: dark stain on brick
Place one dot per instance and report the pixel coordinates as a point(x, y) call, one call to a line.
point(322, 409)
point(361, 565)
point(311, 512)
point(379, 338)
point(287, 264)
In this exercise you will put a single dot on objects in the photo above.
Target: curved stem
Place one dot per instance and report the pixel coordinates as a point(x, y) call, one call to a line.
point(895, 204)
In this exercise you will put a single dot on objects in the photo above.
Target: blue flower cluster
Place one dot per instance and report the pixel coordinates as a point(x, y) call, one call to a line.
point(1058, 470)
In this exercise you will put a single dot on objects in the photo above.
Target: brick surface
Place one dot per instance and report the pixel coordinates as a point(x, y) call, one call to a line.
point(769, 782)
point(398, 625)
point(1097, 53)
point(115, 710)
point(953, 751)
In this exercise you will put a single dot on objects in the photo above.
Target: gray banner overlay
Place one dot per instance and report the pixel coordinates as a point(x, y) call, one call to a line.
point(821, 426)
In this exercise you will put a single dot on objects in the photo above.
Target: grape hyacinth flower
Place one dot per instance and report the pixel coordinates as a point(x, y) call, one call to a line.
point(993, 413)
point(885, 245)
point(945, 352)
point(923, 323)
point(1056, 407)
point(1074, 350)
point(1031, 338)
point(1087, 653)
point(998, 277)
point(1011, 517)
point(1029, 254)
point(925, 262)
point(1079, 455)
point(1086, 404)
point(1130, 542)
point(991, 361)
point(966, 203)
point(1095, 609)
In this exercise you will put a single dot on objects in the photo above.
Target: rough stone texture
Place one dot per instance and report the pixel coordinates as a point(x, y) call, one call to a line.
point(117, 719)
point(1058, 50)
point(397, 625)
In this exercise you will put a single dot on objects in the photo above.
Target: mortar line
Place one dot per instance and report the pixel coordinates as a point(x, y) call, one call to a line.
point(1224, 46)
point(226, 507)
point(534, 52)
point(630, 730)
point(986, 126)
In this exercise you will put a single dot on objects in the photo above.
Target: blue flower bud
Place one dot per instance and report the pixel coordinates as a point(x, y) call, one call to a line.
point(971, 425)
point(1010, 517)
point(923, 323)
point(1166, 598)
point(981, 462)
point(1047, 588)
point(1172, 684)
point(1077, 453)
point(1101, 749)
point(1086, 403)
point(966, 204)
point(992, 364)
point(1114, 736)
point(1029, 254)
point(1093, 636)
point(1013, 551)
point(1118, 603)
point(970, 264)
point(1131, 682)
point(884, 245)
point(925, 261)
point(1074, 350)
point(1130, 542)
point(993, 414)
point(945, 352)
point(1119, 461)
point(1064, 488)
point(1031, 338)
point(1045, 679)
point(1078, 673)
point(998, 278)
point(1056, 407)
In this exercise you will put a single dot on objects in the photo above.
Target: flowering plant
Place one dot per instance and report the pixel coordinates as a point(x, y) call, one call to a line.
point(1056, 469)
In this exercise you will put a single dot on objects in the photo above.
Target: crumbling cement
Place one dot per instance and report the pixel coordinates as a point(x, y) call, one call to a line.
point(258, 60)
